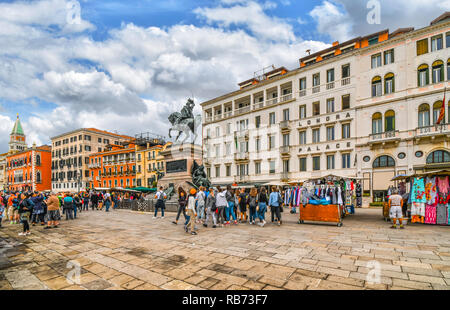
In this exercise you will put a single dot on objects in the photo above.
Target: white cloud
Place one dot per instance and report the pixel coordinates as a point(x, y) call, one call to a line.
point(332, 20)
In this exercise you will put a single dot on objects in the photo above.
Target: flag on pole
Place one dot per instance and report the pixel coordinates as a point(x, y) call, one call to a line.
point(442, 112)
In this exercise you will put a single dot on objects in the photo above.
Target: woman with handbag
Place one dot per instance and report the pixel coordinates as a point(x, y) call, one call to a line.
point(182, 200)
point(25, 209)
point(262, 206)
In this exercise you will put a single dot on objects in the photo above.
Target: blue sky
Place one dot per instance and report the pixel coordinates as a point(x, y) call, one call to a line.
point(141, 59)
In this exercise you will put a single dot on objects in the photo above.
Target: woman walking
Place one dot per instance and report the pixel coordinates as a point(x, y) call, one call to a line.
point(25, 209)
point(231, 202)
point(182, 200)
point(252, 202)
point(275, 205)
point(221, 204)
point(38, 210)
point(211, 209)
point(190, 226)
point(243, 206)
point(262, 206)
point(201, 200)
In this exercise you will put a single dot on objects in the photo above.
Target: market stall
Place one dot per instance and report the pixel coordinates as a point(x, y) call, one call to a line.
point(426, 197)
point(326, 199)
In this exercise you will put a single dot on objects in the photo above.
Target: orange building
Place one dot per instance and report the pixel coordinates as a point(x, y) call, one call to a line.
point(115, 167)
point(30, 169)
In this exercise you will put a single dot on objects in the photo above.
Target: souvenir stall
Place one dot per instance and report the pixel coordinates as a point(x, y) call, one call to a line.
point(325, 199)
point(428, 197)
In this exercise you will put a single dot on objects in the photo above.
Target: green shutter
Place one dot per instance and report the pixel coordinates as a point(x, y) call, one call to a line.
point(428, 77)
point(442, 73)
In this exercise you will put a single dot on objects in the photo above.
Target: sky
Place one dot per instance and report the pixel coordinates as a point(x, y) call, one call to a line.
point(126, 65)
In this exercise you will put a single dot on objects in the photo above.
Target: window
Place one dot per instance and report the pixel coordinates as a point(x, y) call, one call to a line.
point(208, 133)
point(257, 122)
point(302, 164)
point(438, 71)
point(424, 115)
point(302, 137)
point(286, 165)
point(229, 128)
point(447, 40)
point(316, 162)
point(316, 79)
point(330, 162)
point(228, 170)
point(272, 118)
point(330, 75)
point(258, 167)
point(316, 135)
point(389, 57)
point(99, 140)
point(436, 43)
point(422, 47)
point(448, 69)
point(208, 172)
point(286, 139)
point(303, 84)
point(346, 131)
point(302, 112)
point(228, 149)
point(345, 102)
point(217, 171)
point(345, 71)
point(376, 86)
point(377, 123)
point(376, 61)
point(345, 161)
point(217, 150)
point(272, 167)
point(316, 108)
point(383, 162)
point(257, 144)
point(389, 83)
point(217, 131)
point(330, 133)
point(422, 75)
point(373, 40)
point(271, 142)
point(438, 157)
point(389, 121)
point(330, 105)
point(285, 114)
point(437, 106)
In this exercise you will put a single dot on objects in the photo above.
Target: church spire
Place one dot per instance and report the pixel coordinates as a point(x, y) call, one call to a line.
point(17, 138)
point(17, 129)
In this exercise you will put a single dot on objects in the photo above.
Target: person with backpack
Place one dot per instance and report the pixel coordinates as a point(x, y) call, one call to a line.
point(243, 206)
point(160, 202)
point(262, 206)
point(275, 203)
point(221, 204)
point(211, 209)
point(68, 206)
point(76, 205)
point(25, 210)
point(85, 201)
point(182, 201)
point(38, 210)
point(201, 200)
point(231, 202)
point(252, 202)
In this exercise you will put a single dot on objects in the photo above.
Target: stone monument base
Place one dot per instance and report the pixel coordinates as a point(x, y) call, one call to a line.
point(179, 160)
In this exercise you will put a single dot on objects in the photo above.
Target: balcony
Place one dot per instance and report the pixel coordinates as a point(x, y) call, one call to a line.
point(228, 114)
point(330, 85)
point(241, 178)
point(302, 93)
point(241, 156)
point(217, 117)
point(242, 110)
point(284, 176)
point(316, 89)
point(258, 105)
point(208, 119)
point(241, 134)
point(385, 137)
point(433, 131)
point(284, 125)
point(285, 150)
point(345, 81)
point(286, 97)
point(271, 101)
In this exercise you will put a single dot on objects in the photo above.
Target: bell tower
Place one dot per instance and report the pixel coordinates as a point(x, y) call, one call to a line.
point(17, 140)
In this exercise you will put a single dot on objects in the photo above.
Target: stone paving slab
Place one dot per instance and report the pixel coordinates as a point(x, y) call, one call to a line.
point(128, 250)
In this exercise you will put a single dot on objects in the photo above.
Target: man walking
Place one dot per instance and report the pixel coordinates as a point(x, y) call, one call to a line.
point(53, 215)
point(395, 210)
point(160, 202)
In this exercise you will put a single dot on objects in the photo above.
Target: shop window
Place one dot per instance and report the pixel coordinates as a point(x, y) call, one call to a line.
point(383, 162)
point(438, 157)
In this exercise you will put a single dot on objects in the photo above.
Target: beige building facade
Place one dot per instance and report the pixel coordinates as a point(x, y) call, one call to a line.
point(356, 109)
point(3, 174)
point(70, 156)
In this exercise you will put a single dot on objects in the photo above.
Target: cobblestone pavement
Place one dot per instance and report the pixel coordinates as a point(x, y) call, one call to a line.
point(128, 250)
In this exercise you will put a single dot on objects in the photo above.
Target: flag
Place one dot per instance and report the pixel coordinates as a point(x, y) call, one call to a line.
point(442, 112)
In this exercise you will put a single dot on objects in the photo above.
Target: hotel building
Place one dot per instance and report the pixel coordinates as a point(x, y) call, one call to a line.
point(70, 156)
point(364, 108)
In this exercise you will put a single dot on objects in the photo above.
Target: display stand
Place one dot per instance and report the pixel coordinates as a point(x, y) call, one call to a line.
point(321, 213)
point(386, 211)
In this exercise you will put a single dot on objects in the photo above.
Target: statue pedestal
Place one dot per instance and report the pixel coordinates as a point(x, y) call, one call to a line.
point(178, 164)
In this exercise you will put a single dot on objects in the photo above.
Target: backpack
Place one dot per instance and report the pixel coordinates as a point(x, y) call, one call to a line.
point(280, 200)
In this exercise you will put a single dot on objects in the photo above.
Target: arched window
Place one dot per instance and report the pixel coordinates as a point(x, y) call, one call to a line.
point(377, 123)
point(438, 157)
point(38, 177)
point(438, 71)
point(424, 115)
point(389, 121)
point(376, 86)
point(383, 162)
point(389, 83)
point(423, 75)
point(448, 69)
point(436, 111)
point(38, 160)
